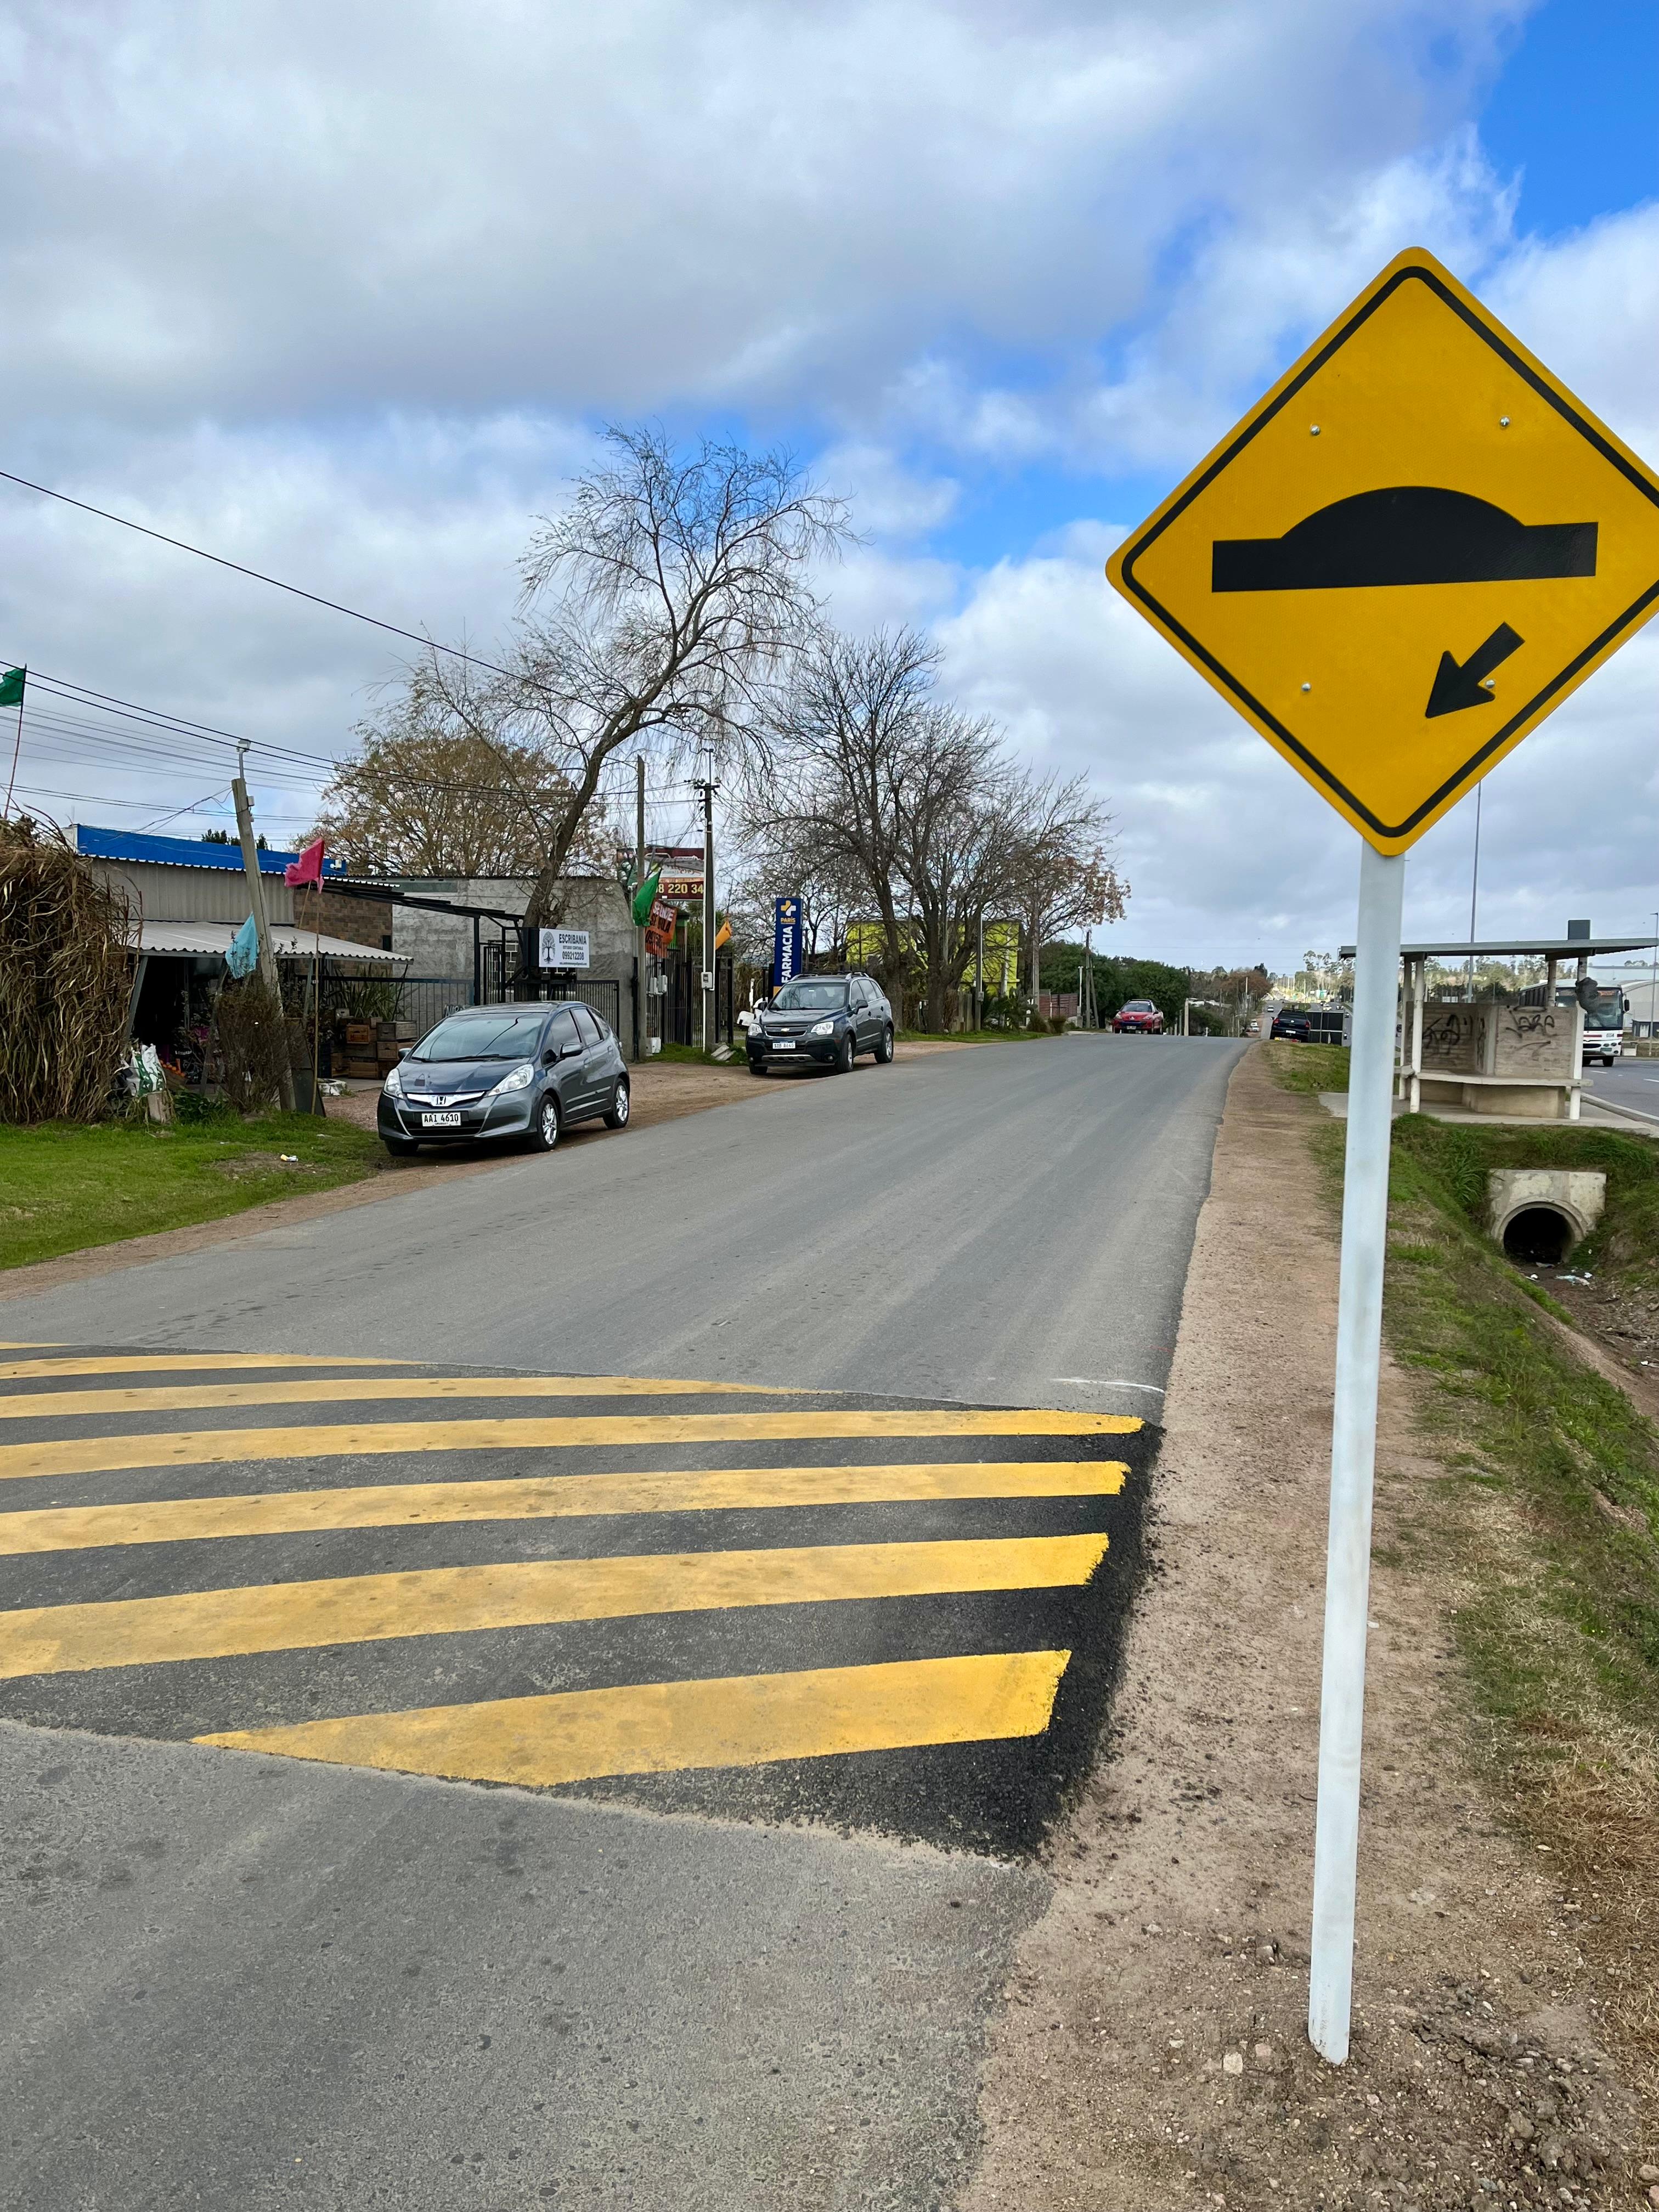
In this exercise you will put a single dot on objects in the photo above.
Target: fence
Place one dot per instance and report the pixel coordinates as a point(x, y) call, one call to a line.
point(427, 999)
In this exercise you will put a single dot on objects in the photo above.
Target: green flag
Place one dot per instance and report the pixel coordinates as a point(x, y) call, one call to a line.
point(644, 899)
point(11, 687)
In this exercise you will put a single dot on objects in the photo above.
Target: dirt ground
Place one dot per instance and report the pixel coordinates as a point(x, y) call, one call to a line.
point(1154, 2051)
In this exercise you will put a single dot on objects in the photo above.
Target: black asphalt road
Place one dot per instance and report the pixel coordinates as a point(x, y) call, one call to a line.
point(774, 1715)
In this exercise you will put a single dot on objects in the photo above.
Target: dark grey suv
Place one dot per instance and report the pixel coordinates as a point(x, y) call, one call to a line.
point(490, 1072)
point(827, 1018)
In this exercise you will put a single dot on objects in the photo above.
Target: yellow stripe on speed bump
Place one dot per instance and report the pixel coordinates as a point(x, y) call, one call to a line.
point(662, 1728)
point(407, 1505)
point(215, 1447)
point(354, 1389)
point(172, 1363)
point(448, 1600)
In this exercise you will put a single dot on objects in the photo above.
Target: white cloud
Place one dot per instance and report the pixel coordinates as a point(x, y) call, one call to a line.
point(341, 293)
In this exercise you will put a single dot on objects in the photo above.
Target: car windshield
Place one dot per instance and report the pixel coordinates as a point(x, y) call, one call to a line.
point(499, 1034)
point(812, 994)
point(1139, 1006)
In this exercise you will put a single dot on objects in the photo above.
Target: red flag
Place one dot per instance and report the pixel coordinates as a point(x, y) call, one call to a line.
point(308, 868)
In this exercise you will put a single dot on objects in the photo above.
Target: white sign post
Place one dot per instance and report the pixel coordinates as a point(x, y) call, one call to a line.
point(1354, 1446)
point(563, 948)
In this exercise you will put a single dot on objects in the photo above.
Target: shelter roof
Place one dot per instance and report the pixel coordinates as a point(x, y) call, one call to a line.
point(1533, 948)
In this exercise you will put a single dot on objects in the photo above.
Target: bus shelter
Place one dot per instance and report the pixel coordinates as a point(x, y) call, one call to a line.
point(1520, 1054)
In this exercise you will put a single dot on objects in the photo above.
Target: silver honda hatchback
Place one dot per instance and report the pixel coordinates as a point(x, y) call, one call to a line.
point(490, 1073)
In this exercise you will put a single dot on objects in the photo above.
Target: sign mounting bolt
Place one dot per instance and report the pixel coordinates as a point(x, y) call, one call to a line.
point(1503, 422)
point(1307, 687)
point(1313, 429)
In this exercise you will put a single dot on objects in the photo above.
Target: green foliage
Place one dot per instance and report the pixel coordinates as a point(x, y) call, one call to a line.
point(1116, 980)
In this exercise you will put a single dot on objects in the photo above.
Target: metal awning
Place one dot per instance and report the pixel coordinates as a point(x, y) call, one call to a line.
point(205, 940)
point(1534, 948)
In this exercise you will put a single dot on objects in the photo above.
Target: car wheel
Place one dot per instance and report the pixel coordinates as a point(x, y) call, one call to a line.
point(844, 1056)
point(885, 1047)
point(757, 1067)
point(401, 1148)
point(545, 1132)
point(621, 1105)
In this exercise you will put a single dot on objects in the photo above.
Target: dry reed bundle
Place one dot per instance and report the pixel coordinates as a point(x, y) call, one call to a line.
point(65, 980)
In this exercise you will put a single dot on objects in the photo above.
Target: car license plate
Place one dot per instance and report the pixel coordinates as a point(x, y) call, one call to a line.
point(782, 1045)
point(440, 1120)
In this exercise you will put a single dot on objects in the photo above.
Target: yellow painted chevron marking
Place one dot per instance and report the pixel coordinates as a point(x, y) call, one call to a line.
point(357, 1390)
point(400, 1504)
point(215, 1447)
point(663, 1728)
point(170, 1363)
point(448, 1600)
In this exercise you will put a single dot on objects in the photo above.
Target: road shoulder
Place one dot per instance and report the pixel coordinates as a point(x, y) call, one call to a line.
point(1153, 2049)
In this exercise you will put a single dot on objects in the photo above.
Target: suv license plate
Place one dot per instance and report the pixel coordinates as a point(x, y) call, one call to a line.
point(781, 1044)
point(440, 1120)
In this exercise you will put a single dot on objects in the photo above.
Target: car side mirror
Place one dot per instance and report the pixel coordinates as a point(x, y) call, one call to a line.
point(569, 1051)
point(549, 1058)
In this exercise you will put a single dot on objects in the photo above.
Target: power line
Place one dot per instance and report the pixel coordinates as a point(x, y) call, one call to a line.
point(182, 545)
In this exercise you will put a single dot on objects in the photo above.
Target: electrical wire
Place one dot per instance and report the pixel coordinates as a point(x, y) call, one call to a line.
point(182, 545)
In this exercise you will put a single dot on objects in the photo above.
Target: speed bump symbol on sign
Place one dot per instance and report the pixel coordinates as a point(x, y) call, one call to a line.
point(1406, 555)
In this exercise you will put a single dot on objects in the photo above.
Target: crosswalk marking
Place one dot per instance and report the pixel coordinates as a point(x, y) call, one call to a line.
point(660, 1728)
point(206, 1447)
point(449, 1601)
point(171, 1362)
point(349, 1390)
point(391, 1505)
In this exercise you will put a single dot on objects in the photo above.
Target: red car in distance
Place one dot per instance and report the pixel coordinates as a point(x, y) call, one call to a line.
point(1138, 1018)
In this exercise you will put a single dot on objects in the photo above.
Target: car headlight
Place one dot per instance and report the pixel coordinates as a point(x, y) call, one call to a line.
point(520, 1078)
point(393, 1085)
point(822, 1029)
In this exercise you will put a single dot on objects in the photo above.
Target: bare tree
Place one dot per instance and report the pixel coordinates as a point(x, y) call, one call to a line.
point(824, 800)
point(662, 608)
point(954, 849)
point(1062, 877)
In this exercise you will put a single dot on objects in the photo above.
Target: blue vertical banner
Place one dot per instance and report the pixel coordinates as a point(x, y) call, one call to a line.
point(788, 940)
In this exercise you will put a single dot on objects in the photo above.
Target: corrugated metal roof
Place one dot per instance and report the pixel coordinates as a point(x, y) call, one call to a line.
point(206, 939)
point(128, 844)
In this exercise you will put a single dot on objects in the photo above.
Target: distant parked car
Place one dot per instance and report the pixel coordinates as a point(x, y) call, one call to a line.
point(1138, 1018)
point(830, 1019)
point(1293, 1022)
point(497, 1072)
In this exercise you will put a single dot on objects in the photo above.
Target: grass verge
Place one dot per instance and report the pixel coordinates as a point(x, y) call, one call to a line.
point(1547, 1519)
point(64, 1185)
point(1308, 1067)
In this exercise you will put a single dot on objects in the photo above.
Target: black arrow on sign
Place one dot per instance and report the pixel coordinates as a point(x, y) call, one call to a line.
point(1457, 686)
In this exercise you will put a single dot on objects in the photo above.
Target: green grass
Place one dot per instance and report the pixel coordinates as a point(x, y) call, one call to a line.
point(1308, 1067)
point(64, 1186)
point(1520, 1415)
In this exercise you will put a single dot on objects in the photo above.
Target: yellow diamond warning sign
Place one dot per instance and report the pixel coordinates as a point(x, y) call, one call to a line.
point(1406, 555)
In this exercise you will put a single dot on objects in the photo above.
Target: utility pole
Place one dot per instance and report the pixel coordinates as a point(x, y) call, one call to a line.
point(979, 976)
point(270, 974)
point(639, 933)
point(709, 956)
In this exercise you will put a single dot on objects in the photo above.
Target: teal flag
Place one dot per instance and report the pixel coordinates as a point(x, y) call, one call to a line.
point(11, 687)
point(242, 953)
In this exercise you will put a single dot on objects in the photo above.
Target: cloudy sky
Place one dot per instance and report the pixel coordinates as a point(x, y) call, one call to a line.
point(343, 293)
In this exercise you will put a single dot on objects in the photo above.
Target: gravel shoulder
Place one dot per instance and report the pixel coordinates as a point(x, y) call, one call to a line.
point(1153, 2051)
